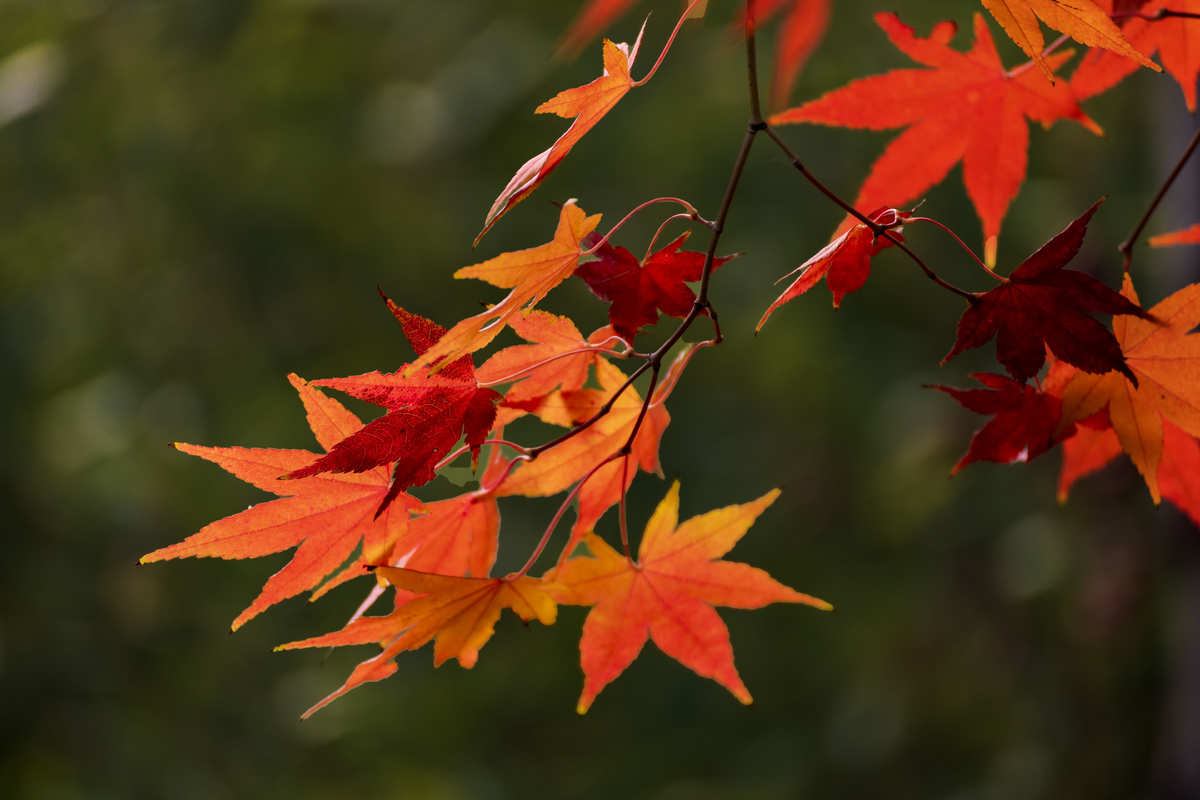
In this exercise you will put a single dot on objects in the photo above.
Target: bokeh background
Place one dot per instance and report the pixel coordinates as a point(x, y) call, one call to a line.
point(197, 197)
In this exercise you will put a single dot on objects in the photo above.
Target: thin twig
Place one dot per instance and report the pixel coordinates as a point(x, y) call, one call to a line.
point(1126, 247)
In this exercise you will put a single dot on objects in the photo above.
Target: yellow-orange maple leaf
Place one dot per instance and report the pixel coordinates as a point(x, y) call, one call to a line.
point(668, 594)
point(1082, 20)
point(1165, 357)
point(460, 613)
point(530, 273)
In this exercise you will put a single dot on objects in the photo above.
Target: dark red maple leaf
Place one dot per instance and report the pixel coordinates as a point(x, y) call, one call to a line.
point(639, 290)
point(1024, 424)
point(426, 415)
point(1043, 305)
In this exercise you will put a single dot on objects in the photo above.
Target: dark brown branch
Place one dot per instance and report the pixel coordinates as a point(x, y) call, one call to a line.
point(1126, 247)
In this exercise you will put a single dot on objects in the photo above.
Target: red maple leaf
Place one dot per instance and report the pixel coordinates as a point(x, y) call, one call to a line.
point(639, 290)
point(327, 516)
point(426, 415)
point(1043, 305)
point(966, 108)
point(845, 263)
point(668, 594)
point(1025, 420)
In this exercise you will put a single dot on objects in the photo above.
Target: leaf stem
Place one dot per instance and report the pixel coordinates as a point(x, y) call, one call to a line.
point(598, 348)
point(692, 212)
point(1028, 65)
point(663, 227)
point(1126, 247)
point(670, 40)
point(963, 245)
point(562, 508)
point(459, 451)
point(622, 517)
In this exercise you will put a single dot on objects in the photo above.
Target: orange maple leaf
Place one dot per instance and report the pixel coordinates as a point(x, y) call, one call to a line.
point(668, 595)
point(1095, 445)
point(1189, 235)
point(967, 108)
point(456, 536)
point(530, 273)
point(587, 105)
point(557, 356)
point(1177, 41)
point(1082, 20)
point(1165, 357)
point(326, 515)
point(460, 613)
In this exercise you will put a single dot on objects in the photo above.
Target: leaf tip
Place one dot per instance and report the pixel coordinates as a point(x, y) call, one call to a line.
point(989, 250)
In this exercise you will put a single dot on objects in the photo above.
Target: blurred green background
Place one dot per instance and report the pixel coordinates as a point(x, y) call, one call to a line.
point(198, 197)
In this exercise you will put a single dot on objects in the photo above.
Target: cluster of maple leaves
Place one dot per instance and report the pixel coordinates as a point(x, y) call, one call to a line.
point(350, 511)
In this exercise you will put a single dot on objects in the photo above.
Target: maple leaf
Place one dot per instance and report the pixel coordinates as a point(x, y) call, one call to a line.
point(1025, 423)
point(1177, 41)
point(1082, 20)
point(1043, 305)
point(460, 613)
point(1165, 357)
point(426, 415)
point(966, 108)
point(456, 536)
point(557, 356)
point(587, 105)
point(1189, 235)
point(637, 290)
point(668, 594)
point(530, 273)
point(845, 263)
point(327, 516)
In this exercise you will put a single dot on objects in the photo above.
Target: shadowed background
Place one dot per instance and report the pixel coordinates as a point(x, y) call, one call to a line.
point(199, 197)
